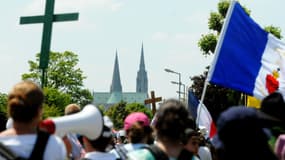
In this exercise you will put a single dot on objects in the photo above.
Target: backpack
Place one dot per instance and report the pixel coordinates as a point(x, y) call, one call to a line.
point(160, 155)
point(37, 152)
point(122, 151)
point(156, 152)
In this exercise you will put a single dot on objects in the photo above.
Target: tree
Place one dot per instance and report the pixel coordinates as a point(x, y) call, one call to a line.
point(217, 98)
point(63, 75)
point(55, 102)
point(137, 107)
point(83, 96)
point(51, 111)
point(119, 112)
point(3, 102)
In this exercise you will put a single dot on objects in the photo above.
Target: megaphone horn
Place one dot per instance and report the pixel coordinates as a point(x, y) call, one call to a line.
point(88, 122)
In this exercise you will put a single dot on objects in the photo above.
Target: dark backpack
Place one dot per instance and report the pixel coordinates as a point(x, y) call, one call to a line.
point(156, 152)
point(37, 153)
point(160, 155)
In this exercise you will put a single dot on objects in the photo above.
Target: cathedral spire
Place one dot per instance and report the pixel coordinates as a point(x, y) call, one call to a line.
point(142, 65)
point(142, 81)
point(116, 81)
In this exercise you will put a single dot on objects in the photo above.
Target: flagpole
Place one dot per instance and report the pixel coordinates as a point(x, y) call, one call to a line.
point(218, 46)
point(201, 101)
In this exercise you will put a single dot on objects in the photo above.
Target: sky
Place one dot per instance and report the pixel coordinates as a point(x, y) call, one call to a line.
point(168, 29)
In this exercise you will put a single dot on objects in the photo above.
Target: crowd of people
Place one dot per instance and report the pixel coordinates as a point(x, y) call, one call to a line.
point(242, 133)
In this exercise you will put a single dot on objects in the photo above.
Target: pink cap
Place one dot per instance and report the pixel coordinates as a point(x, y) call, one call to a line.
point(135, 117)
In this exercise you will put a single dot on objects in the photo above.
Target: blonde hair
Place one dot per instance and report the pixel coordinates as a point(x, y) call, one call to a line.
point(71, 109)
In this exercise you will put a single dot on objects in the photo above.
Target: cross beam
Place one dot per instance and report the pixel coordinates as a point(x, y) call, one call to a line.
point(47, 19)
point(153, 101)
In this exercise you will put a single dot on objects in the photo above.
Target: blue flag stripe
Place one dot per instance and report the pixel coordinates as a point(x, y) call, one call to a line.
point(239, 57)
point(193, 103)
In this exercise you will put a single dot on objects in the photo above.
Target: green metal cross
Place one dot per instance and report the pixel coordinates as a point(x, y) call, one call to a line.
point(47, 20)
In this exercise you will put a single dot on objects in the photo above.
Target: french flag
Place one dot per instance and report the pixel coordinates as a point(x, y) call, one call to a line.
point(201, 114)
point(247, 58)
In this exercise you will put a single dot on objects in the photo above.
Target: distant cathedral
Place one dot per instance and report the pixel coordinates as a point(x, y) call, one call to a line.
point(116, 94)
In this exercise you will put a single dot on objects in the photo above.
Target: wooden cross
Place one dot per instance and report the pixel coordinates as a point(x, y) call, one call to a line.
point(47, 19)
point(153, 100)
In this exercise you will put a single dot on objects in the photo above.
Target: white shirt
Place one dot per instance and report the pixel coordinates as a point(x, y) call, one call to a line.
point(100, 156)
point(23, 145)
point(204, 153)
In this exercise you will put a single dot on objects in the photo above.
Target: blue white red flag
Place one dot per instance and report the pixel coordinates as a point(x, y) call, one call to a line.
point(193, 103)
point(201, 114)
point(247, 58)
point(204, 119)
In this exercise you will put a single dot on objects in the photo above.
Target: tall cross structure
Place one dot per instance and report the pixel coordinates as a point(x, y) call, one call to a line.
point(47, 19)
point(153, 100)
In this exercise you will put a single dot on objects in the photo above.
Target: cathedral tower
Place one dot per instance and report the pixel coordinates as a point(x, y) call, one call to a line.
point(142, 81)
point(116, 81)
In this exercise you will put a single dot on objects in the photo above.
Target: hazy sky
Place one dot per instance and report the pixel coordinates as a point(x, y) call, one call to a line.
point(169, 30)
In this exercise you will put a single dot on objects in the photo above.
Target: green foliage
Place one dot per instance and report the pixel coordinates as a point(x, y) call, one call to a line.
point(119, 112)
point(62, 72)
point(56, 99)
point(63, 75)
point(51, 111)
point(136, 107)
point(276, 31)
point(208, 43)
point(3, 102)
point(83, 96)
point(223, 7)
point(215, 21)
point(101, 108)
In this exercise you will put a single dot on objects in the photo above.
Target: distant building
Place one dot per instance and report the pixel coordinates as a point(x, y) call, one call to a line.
point(116, 94)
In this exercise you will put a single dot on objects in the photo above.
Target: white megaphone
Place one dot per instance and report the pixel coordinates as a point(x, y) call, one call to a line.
point(89, 122)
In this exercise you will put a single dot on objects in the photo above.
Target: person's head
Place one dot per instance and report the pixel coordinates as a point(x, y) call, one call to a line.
point(103, 141)
point(137, 127)
point(240, 132)
point(25, 102)
point(71, 109)
point(274, 105)
point(193, 141)
point(100, 143)
point(172, 121)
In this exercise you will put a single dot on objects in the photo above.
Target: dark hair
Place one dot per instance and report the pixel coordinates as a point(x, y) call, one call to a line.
point(274, 105)
point(3, 121)
point(240, 132)
point(137, 132)
point(190, 133)
point(103, 141)
point(172, 120)
point(24, 101)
